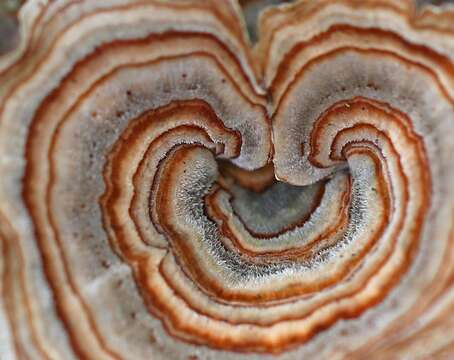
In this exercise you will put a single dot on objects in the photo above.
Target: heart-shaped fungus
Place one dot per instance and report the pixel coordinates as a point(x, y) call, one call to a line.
point(169, 191)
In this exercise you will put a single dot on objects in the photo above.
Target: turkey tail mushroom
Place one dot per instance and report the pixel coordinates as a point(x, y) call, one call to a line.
point(170, 191)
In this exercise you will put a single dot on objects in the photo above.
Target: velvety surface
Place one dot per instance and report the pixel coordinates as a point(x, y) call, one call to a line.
point(171, 190)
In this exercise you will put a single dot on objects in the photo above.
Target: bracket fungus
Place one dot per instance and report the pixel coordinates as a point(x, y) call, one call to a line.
point(170, 191)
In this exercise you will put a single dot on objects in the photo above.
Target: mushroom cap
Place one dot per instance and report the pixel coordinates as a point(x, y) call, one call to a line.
point(169, 190)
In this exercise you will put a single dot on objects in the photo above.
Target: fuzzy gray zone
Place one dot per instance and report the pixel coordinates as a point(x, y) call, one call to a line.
point(194, 185)
point(274, 209)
